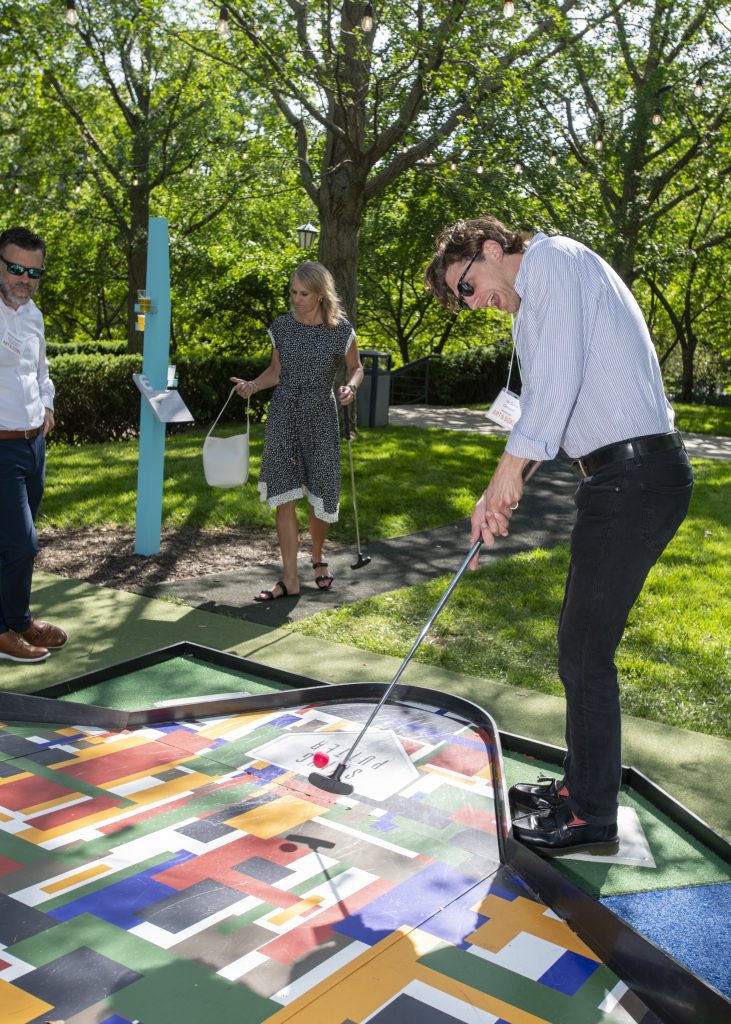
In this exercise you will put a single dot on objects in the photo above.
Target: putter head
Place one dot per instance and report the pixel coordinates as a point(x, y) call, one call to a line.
point(362, 560)
point(331, 783)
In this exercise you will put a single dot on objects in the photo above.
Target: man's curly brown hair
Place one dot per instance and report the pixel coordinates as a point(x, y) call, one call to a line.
point(461, 241)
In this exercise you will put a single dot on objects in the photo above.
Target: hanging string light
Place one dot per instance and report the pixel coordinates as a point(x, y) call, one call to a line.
point(508, 9)
point(222, 27)
point(553, 158)
point(135, 180)
point(367, 23)
point(698, 87)
point(453, 165)
point(518, 167)
point(480, 167)
point(598, 143)
point(72, 17)
point(404, 149)
point(16, 190)
point(657, 116)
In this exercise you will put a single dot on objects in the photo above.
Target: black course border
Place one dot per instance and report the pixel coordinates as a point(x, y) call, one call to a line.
point(668, 988)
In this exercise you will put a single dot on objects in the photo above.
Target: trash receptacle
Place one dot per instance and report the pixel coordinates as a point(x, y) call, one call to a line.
point(374, 393)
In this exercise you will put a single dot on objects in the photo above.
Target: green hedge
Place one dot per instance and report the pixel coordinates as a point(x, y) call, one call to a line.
point(97, 400)
point(470, 376)
point(85, 346)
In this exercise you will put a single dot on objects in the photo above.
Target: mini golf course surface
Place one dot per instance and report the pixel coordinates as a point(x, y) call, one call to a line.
point(181, 866)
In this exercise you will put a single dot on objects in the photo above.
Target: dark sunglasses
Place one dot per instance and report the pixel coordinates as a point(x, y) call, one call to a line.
point(17, 270)
point(465, 290)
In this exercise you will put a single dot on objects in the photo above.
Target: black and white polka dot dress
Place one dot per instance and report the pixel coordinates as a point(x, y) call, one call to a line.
point(302, 438)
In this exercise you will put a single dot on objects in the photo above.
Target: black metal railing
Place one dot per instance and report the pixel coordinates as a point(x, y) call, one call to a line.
point(410, 382)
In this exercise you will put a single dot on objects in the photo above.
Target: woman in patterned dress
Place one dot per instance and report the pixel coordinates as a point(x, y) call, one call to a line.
point(302, 438)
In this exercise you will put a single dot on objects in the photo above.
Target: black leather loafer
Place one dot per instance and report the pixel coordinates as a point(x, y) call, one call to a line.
point(540, 796)
point(550, 834)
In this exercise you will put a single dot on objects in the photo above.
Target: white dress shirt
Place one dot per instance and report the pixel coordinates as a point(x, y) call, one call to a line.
point(590, 373)
point(26, 390)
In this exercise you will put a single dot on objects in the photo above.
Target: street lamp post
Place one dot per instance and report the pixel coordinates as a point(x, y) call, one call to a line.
point(306, 235)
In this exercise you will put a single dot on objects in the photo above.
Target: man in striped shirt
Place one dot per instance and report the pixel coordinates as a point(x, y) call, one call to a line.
point(591, 385)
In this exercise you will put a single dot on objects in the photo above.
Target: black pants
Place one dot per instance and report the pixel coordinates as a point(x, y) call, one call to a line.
point(627, 513)
point(22, 477)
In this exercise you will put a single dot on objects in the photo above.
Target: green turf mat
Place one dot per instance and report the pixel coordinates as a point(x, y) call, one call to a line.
point(176, 679)
point(681, 860)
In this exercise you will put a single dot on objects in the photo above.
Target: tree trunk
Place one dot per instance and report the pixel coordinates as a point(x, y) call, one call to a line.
point(341, 215)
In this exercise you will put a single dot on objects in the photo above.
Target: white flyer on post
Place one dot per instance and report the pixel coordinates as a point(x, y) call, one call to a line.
point(505, 410)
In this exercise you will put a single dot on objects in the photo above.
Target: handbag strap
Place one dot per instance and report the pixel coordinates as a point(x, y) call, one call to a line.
point(230, 396)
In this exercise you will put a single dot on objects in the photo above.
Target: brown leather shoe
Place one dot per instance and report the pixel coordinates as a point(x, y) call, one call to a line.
point(44, 634)
point(14, 648)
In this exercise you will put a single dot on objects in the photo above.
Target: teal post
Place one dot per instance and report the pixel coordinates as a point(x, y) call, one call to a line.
point(155, 355)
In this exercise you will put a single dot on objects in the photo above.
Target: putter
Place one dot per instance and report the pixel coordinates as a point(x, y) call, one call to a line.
point(362, 559)
point(334, 783)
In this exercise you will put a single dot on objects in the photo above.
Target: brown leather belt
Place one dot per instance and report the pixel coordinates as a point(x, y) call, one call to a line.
point(20, 435)
point(623, 450)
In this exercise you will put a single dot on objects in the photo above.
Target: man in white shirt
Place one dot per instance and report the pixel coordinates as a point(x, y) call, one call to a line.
point(26, 416)
point(591, 384)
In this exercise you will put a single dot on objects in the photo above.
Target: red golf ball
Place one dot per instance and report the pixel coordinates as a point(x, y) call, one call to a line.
point(321, 760)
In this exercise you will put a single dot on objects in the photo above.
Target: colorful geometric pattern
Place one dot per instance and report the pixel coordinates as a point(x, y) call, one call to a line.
point(167, 874)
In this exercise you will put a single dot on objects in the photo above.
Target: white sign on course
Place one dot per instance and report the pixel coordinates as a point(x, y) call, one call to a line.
point(378, 769)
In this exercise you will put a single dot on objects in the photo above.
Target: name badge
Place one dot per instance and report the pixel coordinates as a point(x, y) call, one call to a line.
point(12, 344)
point(505, 410)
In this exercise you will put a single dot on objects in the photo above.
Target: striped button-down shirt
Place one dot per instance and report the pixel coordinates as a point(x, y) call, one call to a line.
point(590, 374)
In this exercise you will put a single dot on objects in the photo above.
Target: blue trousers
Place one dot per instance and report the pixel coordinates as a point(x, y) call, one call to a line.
point(22, 479)
point(627, 512)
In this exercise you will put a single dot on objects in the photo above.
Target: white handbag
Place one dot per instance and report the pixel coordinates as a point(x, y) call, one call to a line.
point(226, 459)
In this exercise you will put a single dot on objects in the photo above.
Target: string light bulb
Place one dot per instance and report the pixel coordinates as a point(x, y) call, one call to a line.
point(508, 9)
point(72, 17)
point(480, 168)
point(657, 116)
point(404, 149)
point(518, 167)
point(698, 87)
point(553, 158)
point(16, 190)
point(135, 180)
point(222, 27)
point(367, 23)
point(598, 143)
point(453, 165)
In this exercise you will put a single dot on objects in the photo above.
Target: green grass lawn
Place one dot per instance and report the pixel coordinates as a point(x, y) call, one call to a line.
point(394, 466)
point(703, 419)
point(500, 623)
point(675, 660)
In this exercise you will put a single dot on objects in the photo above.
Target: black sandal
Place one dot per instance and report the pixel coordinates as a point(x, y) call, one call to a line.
point(327, 577)
point(270, 593)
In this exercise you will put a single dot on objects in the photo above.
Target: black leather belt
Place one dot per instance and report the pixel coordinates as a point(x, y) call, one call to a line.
point(623, 450)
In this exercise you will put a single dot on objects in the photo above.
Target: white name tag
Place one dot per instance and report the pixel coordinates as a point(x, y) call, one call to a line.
point(12, 344)
point(505, 410)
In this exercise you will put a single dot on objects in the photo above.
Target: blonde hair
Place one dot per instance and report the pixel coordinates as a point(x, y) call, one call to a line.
point(318, 279)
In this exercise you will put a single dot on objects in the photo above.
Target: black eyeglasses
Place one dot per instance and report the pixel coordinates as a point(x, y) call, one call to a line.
point(17, 270)
point(465, 290)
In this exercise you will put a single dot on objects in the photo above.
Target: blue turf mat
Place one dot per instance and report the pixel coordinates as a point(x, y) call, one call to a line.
point(690, 924)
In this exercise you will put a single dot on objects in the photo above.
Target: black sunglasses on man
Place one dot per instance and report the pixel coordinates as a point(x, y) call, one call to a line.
point(34, 273)
point(465, 290)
